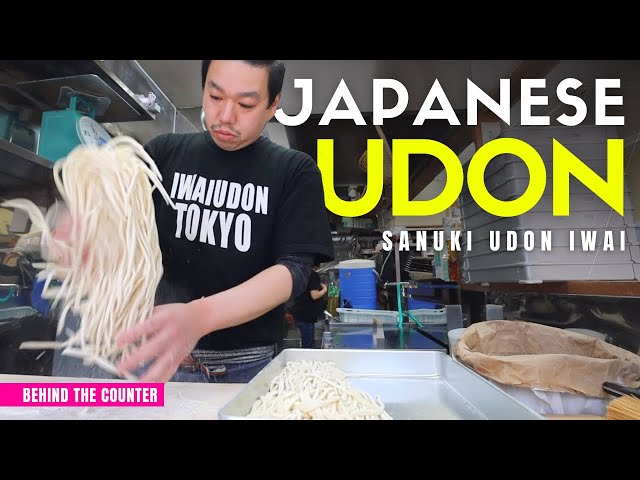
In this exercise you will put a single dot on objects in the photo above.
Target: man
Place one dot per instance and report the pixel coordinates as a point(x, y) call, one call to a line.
point(307, 307)
point(249, 226)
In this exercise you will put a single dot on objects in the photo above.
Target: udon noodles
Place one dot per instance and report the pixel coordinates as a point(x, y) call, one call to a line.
point(315, 390)
point(108, 270)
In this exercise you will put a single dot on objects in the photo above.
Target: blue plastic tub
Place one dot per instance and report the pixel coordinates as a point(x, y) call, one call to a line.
point(358, 284)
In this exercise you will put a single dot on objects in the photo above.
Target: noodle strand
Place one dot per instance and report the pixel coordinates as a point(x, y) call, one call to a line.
point(113, 254)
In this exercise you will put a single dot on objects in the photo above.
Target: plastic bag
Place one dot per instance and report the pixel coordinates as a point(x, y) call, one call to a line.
point(548, 359)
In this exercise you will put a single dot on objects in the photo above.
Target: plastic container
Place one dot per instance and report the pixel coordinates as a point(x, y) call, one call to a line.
point(453, 336)
point(415, 303)
point(6, 118)
point(16, 313)
point(545, 220)
point(579, 202)
point(358, 284)
point(518, 170)
point(589, 153)
point(357, 315)
point(543, 136)
point(514, 187)
point(507, 175)
point(591, 333)
point(483, 257)
point(431, 316)
point(423, 315)
point(527, 273)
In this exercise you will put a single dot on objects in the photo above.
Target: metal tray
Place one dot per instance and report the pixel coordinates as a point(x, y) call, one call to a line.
point(413, 384)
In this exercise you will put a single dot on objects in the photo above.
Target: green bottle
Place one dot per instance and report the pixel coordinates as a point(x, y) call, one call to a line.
point(333, 301)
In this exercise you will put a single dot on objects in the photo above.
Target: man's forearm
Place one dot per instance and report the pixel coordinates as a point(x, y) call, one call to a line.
point(245, 302)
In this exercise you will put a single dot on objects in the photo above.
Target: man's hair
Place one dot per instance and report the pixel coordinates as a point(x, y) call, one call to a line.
point(276, 75)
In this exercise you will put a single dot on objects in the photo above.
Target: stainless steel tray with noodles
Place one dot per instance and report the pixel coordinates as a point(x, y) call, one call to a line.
point(385, 384)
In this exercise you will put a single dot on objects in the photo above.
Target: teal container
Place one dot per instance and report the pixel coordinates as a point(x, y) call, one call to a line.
point(6, 119)
point(358, 284)
point(58, 133)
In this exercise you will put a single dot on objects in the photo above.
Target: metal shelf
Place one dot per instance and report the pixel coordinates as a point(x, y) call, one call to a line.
point(40, 80)
point(21, 167)
point(111, 105)
point(612, 288)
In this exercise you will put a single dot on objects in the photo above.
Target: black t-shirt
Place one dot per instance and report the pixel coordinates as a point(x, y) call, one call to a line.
point(304, 308)
point(237, 212)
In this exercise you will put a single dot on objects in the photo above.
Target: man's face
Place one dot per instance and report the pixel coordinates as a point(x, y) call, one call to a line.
point(235, 102)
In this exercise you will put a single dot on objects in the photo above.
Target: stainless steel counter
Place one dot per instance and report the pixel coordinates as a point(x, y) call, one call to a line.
point(183, 401)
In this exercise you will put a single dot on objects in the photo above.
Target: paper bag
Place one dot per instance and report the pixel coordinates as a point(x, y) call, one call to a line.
point(525, 354)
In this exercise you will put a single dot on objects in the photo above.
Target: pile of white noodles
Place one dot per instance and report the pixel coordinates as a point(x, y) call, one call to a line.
point(313, 390)
point(113, 262)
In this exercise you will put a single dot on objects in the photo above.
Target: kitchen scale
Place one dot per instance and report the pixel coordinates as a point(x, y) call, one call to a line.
point(74, 107)
point(63, 130)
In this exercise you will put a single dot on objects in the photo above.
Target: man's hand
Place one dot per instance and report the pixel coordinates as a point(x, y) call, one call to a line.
point(59, 250)
point(316, 294)
point(171, 334)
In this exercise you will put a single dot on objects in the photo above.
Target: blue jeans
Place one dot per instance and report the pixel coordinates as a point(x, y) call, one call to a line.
point(235, 373)
point(307, 334)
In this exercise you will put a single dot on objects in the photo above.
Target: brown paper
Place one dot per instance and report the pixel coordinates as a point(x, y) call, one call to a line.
point(525, 354)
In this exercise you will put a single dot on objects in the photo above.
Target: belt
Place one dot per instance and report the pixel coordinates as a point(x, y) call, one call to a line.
point(214, 362)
